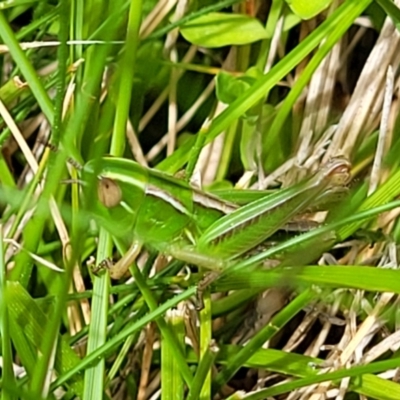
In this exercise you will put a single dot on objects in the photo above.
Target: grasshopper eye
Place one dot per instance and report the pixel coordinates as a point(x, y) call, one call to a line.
point(341, 175)
point(109, 192)
point(338, 171)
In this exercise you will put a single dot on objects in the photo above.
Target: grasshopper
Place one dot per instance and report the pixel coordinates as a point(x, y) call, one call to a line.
point(146, 206)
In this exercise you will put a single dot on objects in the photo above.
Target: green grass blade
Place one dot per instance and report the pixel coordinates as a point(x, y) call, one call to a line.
point(28, 71)
point(94, 376)
point(392, 11)
point(7, 360)
point(270, 27)
point(205, 343)
point(355, 372)
point(347, 276)
point(301, 366)
point(274, 141)
point(119, 338)
point(332, 228)
point(257, 91)
point(172, 387)
point(202, 374)
point(62, 54)
point(127, 73)
point(168, 335)
point(385, 193)
point(266, 333)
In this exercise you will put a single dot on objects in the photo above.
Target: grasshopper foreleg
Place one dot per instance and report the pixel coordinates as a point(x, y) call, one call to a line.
point(119, 269)
point(101, 268)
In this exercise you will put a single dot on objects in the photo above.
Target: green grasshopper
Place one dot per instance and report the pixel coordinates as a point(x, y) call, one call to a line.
point(149, 207)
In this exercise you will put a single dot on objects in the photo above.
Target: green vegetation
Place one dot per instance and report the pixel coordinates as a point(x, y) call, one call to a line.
point(199, 199)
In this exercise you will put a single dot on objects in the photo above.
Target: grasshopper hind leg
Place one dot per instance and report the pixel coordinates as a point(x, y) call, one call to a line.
point(204, 284)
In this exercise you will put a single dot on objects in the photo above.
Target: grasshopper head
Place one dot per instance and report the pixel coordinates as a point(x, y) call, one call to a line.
point(337, 171)
point(113, 193)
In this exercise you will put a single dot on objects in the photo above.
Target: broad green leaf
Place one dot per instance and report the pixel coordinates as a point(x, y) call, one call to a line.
point(27, 324)
point(291, 20)
point(229, 88)
point(308, 9)
point(220, 29)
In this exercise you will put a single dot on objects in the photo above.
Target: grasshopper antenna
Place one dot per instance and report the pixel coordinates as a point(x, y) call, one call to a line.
point(71, 161)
